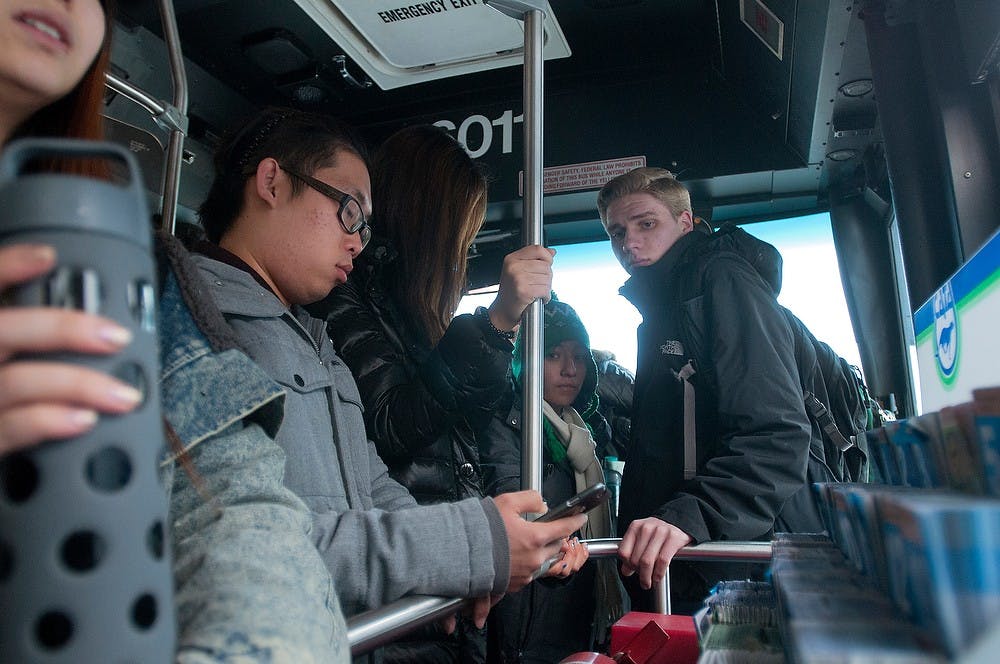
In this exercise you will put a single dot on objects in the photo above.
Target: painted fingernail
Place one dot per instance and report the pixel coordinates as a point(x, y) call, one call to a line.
point(126, 394)
point(82, 418)
point(114, 335)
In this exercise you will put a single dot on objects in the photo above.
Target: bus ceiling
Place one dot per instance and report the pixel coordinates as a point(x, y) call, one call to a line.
point(738, 98)
point(765, 108)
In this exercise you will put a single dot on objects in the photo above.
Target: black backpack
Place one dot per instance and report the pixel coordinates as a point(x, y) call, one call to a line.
point(833, 391)
point(837, 399)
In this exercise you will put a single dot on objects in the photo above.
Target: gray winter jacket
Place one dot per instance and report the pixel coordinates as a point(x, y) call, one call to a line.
point(249, 587)
point(378, 544)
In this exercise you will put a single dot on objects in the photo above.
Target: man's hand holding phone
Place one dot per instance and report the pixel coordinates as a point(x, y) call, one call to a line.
point(581, 503)
point(573, 554)
point(532, 543)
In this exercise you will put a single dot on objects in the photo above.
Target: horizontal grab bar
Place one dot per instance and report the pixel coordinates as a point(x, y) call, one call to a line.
point(371, 629)
point(155, 107)
point(716, 552)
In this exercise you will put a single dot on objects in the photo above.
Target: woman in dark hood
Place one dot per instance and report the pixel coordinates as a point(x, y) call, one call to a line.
point(569, 401)
point(547, 621)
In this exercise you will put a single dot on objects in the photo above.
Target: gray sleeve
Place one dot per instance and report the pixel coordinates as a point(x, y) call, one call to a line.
point(247, 577)
point(501, 546)
point(377, 557)
point(387, 493)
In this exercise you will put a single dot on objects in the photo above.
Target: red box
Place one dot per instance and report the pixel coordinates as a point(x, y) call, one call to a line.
point(681, 648)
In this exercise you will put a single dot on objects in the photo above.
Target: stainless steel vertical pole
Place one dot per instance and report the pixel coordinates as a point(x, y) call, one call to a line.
point(178, 125)
point(532, 12)
point(661, 595)
point(531, 457)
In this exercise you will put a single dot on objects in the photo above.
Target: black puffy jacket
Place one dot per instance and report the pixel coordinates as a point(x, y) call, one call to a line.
point(422, 403)
point(615, 384)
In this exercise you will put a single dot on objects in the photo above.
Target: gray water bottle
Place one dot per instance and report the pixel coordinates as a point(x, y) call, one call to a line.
point(85, 572)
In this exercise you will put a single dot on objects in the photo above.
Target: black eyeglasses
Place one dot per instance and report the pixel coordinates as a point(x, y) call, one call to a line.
point(352, 217)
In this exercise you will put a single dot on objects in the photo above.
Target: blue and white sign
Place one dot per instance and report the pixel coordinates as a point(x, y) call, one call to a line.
point(958, 344)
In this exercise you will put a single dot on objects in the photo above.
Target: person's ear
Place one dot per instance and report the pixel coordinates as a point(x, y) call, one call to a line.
point(686, 221)
point(266, 181)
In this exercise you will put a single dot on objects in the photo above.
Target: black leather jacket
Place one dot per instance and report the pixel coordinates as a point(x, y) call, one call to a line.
point(422, 403)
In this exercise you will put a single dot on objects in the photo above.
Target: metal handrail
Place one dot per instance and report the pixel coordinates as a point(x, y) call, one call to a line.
point(372, 629)
point(175, 145)
point(154, 106)
point(714, 552)
point(171, 116)
point(532, 14)
point(531, 229)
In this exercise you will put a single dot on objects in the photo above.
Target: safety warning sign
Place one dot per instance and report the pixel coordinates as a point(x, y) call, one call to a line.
point(588, 175)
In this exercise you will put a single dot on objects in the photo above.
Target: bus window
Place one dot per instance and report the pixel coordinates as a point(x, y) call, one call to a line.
point(811, 285)
point(587, 277)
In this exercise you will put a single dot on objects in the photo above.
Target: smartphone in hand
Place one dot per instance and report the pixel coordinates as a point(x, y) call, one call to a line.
point(582, 502)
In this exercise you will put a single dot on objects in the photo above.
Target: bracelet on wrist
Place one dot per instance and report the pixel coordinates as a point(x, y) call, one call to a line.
point(484, 313)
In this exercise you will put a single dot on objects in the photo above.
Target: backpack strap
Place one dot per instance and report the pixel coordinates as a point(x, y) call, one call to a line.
point(822, 415)
point(690, 437)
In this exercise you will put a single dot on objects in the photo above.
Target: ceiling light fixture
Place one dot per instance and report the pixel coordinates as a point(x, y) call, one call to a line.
point(857, 88)
point(309, 87)
point(842, 155)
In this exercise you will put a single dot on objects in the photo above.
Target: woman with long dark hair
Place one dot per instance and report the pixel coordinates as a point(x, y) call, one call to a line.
point(429, 379)
point(249, 584)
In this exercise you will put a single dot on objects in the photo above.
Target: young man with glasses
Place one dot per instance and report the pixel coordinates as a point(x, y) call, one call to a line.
point(286, 217)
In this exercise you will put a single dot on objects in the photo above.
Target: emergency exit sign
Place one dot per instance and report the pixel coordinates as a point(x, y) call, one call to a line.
point(763, 23)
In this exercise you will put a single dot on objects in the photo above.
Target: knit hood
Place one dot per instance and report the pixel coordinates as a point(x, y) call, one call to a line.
point(561, 323)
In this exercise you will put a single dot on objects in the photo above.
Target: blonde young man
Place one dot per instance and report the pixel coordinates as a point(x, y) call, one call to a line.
point(744, 472)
